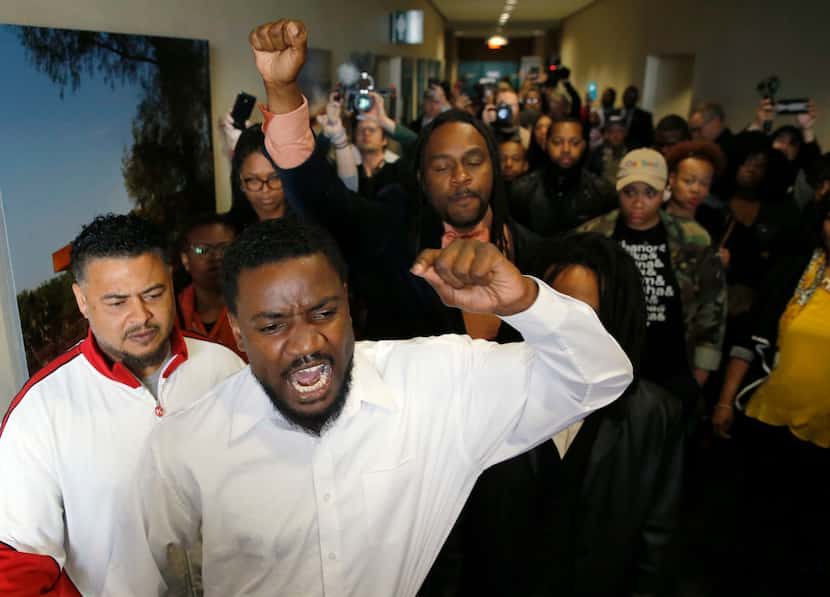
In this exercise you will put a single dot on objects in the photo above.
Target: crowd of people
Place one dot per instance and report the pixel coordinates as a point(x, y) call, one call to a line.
point(481, 350)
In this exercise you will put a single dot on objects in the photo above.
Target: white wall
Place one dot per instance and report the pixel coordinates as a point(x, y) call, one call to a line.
point(342, 27)
point(339, 26)
point(668, 85)
point(735, 44)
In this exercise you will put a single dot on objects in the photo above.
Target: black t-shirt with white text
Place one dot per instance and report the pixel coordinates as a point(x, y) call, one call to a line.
point(664, 353)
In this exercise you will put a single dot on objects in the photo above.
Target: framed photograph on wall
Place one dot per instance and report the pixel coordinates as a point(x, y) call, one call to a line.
point(12, 354)
point(94, 122)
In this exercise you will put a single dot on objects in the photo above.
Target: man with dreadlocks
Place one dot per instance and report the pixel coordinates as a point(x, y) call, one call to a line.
point(457, 192)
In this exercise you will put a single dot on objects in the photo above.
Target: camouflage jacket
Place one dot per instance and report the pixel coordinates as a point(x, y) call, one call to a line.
point(701, 280)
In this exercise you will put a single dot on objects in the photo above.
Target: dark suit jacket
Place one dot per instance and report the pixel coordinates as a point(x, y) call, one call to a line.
point(640, 130)
point(550, 203)
point(594, 523)
point(380, 240)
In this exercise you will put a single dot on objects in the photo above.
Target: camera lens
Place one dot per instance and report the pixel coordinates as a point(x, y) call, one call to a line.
point(364, 103)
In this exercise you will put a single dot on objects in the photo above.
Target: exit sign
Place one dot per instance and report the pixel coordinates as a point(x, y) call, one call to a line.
point(407, 27)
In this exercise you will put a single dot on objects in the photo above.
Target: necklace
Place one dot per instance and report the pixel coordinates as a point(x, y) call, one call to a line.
point(807, 285)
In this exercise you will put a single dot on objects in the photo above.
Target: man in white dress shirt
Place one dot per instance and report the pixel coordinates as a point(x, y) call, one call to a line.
point(330, 467)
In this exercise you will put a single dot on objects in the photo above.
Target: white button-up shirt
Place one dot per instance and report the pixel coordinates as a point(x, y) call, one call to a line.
point(69, 448)
point(364, 509)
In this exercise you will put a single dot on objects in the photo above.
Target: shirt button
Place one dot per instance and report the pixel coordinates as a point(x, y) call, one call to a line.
point(327, 497)
point(332, 556)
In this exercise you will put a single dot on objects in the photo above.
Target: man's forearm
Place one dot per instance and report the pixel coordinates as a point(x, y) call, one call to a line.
point(406, 137)
point(283, 99)
point(288, 137)
point(735, 372)
point(574, 368)
point(346, 165)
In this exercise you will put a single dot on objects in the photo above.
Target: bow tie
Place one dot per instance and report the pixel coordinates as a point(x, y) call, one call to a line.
point(481, 231)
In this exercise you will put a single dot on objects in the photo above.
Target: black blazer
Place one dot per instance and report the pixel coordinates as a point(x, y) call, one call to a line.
point(594, 523)
point(380, 240)
point(640, 130)
point(550, 203)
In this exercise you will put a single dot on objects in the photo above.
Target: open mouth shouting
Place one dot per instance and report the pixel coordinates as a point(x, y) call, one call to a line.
point(310, 381)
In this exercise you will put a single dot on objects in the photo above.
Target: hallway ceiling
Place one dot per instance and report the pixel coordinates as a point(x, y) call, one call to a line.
point(480, 17)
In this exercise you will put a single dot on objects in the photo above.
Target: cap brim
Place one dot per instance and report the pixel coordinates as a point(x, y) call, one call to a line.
point(654, 182)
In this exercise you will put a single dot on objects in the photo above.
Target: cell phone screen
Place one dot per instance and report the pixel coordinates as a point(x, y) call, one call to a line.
point(242, 109)
point(792, 106)
point(592, 91)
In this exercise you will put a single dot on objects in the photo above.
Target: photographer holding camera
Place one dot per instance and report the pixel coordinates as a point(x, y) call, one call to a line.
point(796, 142)
point(503, 118)
point(367, 165)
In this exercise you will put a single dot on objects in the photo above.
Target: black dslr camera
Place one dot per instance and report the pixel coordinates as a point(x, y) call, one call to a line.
point(768, 89)
point(557, 73)
point(357, 95)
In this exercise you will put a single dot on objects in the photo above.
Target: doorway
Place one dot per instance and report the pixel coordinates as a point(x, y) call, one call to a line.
point(668, 85)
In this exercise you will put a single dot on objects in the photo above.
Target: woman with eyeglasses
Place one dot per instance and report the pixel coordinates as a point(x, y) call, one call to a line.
point(256, 186)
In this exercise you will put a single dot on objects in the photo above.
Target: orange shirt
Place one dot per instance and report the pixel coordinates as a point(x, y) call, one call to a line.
point(220, 332)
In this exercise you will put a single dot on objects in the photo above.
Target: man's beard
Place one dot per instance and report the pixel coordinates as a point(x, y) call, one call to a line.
point(313, 424)
point(138, 363)
point(469, 222)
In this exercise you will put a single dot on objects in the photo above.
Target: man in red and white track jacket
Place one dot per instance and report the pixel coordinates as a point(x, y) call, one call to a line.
point(72, 438)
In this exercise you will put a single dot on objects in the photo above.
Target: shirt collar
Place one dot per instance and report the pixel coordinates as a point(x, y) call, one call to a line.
point(253, 404)
point(118, 372)
point(368, 386)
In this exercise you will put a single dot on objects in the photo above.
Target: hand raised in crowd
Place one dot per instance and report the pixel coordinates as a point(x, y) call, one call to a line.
point(331, 122)
point(489, 114)
point(230, 134)
point(378, 113)
point(764, 113)
point(807, 121)
point(476, 277)
point(280, 51)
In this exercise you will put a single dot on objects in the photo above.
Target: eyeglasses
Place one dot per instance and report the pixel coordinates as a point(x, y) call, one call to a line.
point(255, 183)
point(206, 249)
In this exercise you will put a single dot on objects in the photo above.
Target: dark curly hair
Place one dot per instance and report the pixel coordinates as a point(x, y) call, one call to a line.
point(788, 130)
point(273, 241)
point(701, 150)
point(199, 219)
point(672, 123)
point(112, 235)
point(622, 306)
point(566, 120)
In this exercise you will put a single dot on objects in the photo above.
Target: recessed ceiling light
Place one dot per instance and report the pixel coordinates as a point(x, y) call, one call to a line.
point(495, 42)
